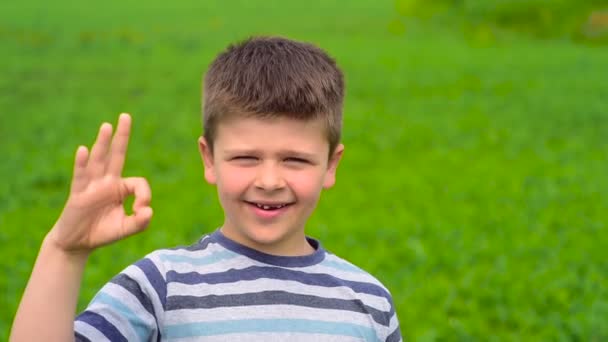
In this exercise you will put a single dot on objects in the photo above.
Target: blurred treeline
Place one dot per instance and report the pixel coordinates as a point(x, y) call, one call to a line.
point(581, 20)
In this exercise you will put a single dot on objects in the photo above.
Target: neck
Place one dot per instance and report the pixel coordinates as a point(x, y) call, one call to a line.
point(292, 246)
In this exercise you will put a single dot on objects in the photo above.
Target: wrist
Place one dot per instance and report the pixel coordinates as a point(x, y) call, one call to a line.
point(50, 245)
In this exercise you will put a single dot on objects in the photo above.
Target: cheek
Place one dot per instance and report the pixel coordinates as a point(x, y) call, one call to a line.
point(233, 181)
point(307, 185)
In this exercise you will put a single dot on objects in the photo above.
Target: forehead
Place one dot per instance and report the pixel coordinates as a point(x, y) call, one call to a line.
point(270, 134)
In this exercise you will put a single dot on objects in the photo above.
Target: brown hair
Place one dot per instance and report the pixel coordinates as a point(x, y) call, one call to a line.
point(271, 77)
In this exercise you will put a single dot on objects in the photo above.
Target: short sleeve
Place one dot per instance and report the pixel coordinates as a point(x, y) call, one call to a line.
point(393, 331)
point(127, 308)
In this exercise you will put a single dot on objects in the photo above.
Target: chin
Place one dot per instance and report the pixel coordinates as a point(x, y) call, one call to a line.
point(265, 235)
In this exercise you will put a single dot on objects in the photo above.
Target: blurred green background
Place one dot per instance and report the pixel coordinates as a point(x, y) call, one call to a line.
point(476, 168)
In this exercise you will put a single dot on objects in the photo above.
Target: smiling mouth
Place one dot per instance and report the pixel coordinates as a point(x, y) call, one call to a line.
point(270, 206)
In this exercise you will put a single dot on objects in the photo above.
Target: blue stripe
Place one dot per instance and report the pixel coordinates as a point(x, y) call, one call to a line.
point(269, 326)
point(102, 325)
point(341, 266)
point(200, 261)
point(155, 278)
point(124, 311)
point(260, 272)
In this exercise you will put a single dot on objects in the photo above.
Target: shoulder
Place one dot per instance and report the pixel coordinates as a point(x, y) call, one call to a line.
point(364, 287)
point(345, 269)
point(206, 254)
point(366, 290)
point(152, 273)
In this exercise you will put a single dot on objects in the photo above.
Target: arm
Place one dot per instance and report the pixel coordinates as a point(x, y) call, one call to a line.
point(49, 301)
point(92, 217)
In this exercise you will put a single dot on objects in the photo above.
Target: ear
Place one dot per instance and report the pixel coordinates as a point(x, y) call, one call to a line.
point(334, 160)
point(207, 157)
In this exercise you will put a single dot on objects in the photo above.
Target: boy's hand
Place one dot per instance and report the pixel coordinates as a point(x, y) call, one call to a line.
point(94, 214)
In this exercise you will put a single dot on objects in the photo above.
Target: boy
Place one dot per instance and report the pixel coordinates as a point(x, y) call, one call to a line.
point(272, 118)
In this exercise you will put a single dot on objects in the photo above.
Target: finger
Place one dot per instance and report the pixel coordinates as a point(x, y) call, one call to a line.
point(97, 160)
point(142, 213)
point(139, 187)
point(137, 222)
point(79, 180)
point(120, 143)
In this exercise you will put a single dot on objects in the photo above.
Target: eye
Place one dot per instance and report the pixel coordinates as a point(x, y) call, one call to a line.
point(296, 160)
point(244, 158)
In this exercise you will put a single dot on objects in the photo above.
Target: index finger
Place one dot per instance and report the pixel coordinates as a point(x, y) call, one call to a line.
point(120, 142)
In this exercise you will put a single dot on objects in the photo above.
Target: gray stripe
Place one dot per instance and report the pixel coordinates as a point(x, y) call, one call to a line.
point(103, 325)
point(133, 287)
point(257, 272)
point(395, 336)
point(155, 278)
point(80, 338)
point(275, 298)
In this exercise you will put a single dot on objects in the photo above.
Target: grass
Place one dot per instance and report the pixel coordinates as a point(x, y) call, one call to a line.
point(474, 180)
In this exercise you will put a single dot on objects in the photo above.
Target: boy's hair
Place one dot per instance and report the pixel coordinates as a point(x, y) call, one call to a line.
point(272, 77)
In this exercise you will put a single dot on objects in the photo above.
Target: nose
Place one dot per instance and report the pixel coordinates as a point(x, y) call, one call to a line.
point(269, 177)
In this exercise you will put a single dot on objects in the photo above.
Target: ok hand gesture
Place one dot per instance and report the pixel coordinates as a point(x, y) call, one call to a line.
point(94, 214)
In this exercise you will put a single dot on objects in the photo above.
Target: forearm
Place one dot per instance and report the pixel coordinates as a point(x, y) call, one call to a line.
point(48, 305)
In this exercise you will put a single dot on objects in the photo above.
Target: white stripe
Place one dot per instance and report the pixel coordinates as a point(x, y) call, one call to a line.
point(265, 312)
point(291, 337)
point(211, 248)
point(89, 332)
point(114, 317)
point(237, 263)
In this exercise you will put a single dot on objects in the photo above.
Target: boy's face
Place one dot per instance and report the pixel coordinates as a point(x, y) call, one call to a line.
point(269, 175)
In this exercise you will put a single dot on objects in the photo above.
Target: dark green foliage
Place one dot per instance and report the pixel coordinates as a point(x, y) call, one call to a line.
point(541, 18)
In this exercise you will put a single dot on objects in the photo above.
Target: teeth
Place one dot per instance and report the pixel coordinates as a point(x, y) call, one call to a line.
point(268, 207)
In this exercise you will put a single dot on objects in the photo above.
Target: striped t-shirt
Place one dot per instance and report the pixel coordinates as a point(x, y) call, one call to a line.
point(219, 290)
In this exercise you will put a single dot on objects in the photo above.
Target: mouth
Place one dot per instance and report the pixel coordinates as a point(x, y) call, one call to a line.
point(269, 206)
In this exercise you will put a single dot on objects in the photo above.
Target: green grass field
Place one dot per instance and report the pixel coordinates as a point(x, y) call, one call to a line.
point(474, 182)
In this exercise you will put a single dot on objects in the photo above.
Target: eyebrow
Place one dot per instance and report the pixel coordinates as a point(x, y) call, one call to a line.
point(280, 152)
